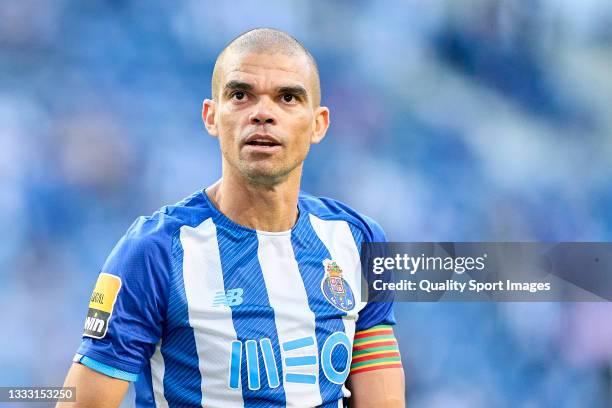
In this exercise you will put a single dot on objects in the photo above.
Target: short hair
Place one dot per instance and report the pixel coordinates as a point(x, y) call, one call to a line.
point(266, 41)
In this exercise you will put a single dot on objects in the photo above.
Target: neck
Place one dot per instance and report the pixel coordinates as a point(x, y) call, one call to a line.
point(261, 207)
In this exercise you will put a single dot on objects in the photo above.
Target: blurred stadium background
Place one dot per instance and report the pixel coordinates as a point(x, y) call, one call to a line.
point(465, 121)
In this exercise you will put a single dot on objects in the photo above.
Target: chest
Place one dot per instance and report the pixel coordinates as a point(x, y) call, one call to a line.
point(276, 279)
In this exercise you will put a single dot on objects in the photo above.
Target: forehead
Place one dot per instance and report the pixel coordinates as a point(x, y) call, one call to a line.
point(269, 68)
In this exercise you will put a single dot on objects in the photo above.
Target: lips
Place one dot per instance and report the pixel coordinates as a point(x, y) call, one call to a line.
point(262, 140)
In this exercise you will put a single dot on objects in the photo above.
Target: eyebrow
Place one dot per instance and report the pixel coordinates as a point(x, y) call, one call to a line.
point(296, 90)
point(237, 86)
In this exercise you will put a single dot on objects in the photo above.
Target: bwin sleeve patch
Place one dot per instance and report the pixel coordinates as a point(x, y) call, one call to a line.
point(101, 305)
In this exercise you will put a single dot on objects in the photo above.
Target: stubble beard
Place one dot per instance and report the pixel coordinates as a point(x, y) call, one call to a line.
point(267, 176)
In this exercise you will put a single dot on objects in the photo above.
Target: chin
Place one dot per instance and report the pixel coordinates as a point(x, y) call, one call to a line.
point(266, 176)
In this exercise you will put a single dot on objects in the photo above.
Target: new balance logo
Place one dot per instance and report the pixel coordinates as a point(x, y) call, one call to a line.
point(230, 297)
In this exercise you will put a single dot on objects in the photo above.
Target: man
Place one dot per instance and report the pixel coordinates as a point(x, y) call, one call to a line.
point(246, 293)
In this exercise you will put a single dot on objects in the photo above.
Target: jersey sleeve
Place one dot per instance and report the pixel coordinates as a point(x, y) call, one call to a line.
point(375, 346)
point(379, 312)
point(128, 305)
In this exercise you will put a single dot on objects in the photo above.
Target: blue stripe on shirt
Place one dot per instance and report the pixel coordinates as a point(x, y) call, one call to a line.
point(310, 253)
point(182, 378)
point(253, 319)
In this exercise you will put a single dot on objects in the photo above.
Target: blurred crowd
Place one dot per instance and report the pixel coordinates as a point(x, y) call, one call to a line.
point(451, 121)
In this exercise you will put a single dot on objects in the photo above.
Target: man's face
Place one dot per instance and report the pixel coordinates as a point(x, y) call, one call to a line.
point(264, 116)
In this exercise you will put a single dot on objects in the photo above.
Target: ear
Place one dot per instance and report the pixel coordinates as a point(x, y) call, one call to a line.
point(208, 117)
point(321, 124)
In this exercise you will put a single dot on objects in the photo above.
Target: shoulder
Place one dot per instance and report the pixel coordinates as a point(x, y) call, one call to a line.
point(155, 232)
point(329, 209)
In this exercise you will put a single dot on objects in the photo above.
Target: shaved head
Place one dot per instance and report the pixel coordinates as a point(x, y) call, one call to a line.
point(266, 41)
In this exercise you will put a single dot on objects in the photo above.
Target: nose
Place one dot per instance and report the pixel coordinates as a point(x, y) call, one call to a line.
point(262, 114)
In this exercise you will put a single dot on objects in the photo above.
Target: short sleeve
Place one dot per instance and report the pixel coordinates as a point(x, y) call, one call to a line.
point(375, 313)
point(128, 305)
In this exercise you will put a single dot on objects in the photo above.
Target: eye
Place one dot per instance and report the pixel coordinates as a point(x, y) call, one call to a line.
point(289, 98)
point(238, 95)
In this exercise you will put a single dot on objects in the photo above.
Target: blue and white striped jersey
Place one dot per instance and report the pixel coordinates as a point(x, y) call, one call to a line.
point(201, 311)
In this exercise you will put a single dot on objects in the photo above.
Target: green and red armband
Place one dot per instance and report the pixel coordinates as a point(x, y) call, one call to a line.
point(375, 349)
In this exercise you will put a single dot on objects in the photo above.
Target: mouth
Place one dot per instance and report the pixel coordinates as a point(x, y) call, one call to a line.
point(261, 141)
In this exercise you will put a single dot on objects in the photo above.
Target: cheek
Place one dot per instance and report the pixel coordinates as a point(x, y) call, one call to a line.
point(228, 123)
point(303, 128)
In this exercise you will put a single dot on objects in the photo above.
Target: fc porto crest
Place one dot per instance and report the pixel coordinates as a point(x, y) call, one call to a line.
point(335, 288)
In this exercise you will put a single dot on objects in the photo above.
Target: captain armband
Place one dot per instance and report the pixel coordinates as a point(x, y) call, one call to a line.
point(375, 349)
